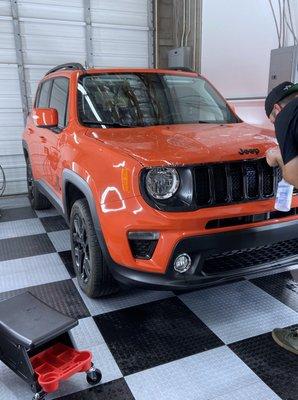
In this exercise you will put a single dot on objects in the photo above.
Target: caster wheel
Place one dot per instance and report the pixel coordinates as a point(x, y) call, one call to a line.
point(39, 396)
point(93, 376)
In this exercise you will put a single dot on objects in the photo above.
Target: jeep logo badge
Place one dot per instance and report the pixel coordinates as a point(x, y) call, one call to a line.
point(249, 151)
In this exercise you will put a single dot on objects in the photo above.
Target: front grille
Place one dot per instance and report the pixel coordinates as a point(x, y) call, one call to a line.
point(142, 249)
point(246, 258)
point(233, 182)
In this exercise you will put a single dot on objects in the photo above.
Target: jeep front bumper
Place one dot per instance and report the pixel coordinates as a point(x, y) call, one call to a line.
point(278, 241)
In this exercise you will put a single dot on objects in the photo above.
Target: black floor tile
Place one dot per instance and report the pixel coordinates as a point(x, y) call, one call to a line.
point(277, 367)
point(14, 214)
point(151, 334)
point(67, 260)
point(115, 390)
point(61, 295)
point(283, 286)
point(53, 224)
point(25, 246)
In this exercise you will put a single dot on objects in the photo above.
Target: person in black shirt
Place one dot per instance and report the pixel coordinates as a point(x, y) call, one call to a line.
point(281, 107)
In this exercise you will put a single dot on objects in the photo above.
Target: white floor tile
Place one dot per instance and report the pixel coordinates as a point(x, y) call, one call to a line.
point(31, 271)
point(60, 240)
point(86, 334)
point(239, 310)
point(203, 376)
point(12, 387)
point(24, 227)
point(257, 391)
point(14, 201)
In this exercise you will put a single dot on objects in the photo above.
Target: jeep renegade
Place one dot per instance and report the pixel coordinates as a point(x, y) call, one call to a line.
point(161, 183)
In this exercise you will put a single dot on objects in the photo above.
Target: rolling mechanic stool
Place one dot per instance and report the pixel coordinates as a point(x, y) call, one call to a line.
point(32, 337)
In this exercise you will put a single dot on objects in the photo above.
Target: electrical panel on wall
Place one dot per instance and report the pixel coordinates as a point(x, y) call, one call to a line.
point(180, 58)
point(283, 66)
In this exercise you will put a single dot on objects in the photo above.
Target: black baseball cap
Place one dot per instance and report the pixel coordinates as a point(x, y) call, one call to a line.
point(278, 93)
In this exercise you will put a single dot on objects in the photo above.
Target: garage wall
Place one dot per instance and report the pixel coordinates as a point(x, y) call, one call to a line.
point(54, 32)
point(237, 37)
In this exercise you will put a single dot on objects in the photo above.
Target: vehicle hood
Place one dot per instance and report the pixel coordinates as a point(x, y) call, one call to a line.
point(188, 144)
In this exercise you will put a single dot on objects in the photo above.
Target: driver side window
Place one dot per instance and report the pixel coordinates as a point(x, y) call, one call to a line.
point(59, 100)
point(43, 96)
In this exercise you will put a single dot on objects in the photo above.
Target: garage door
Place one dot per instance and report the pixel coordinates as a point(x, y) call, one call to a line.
point(103, 33)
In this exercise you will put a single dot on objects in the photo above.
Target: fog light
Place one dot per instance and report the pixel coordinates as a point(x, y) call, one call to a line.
point(182, 263)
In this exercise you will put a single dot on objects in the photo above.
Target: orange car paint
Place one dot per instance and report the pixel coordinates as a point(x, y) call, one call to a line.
point(111, 160)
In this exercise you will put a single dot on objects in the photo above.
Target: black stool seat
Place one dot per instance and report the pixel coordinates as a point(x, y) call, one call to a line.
point(29, 322)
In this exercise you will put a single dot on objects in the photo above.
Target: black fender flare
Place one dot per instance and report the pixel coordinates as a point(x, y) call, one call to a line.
point(69, 176)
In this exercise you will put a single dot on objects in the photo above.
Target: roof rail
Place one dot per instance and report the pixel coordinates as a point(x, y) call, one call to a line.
point(66, 66)
point(184, 69)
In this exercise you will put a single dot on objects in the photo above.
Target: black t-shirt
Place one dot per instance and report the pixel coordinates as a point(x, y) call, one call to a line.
point(286, 129)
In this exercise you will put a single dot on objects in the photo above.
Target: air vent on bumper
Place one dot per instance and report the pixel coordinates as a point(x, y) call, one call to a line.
point(143, 244)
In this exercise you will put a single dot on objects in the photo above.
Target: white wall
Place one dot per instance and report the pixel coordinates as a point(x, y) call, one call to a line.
point(53, 32)
point(236, 43)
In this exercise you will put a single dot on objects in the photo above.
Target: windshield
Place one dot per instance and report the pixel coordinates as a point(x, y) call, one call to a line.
point(146, 99)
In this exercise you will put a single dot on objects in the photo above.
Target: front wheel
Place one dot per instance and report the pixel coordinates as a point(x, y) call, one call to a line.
point(90, 266)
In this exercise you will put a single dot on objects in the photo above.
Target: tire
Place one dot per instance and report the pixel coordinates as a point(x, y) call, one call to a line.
point(90, 266)
point(37, 200)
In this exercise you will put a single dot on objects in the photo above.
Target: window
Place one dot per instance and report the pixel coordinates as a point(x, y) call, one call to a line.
point(137, 99)
point(44, 94)
point(59, 100)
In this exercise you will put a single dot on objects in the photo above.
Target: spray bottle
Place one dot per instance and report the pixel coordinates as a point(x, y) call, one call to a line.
point(284, 196)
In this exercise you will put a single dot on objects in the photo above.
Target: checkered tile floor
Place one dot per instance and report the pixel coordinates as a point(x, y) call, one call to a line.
point(209, 344)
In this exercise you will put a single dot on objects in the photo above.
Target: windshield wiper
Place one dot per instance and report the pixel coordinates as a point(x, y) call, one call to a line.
point(112, 124)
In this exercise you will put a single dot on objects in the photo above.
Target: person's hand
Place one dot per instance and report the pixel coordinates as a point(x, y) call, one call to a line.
point(274, 158)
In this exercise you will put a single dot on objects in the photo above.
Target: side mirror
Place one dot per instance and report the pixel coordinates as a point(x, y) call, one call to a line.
point(45, 117)
point(232, 107)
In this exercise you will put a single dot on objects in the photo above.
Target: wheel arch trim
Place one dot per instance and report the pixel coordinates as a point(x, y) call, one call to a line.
point(70, 176)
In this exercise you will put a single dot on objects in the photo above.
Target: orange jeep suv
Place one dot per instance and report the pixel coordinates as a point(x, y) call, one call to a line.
point(161, 183)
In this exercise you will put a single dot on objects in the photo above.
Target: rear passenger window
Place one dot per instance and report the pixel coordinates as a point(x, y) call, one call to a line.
point(44, 94)
point(59, 100)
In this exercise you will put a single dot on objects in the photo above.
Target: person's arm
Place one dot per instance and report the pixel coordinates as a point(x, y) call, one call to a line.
point(290, 172)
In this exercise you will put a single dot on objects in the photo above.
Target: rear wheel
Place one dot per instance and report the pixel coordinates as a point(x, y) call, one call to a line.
point(90, 266)
point(37, 200)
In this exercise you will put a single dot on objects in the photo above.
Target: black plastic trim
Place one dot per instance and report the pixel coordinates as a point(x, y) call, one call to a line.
point(71, 66)
point(50, 195)
point(25, 145)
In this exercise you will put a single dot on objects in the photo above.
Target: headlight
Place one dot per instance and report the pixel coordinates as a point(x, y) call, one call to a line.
point(162, 183)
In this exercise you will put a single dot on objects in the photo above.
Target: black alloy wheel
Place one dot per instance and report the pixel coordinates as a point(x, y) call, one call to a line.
point(81, 248)
point(91, 268)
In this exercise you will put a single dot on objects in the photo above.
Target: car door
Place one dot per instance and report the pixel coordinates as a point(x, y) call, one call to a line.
point(56, 137)
point(38, 135)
